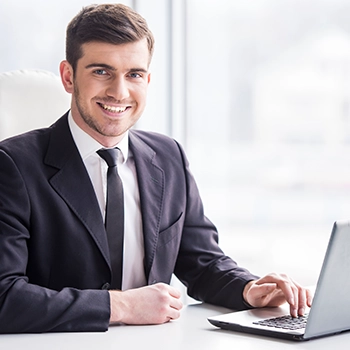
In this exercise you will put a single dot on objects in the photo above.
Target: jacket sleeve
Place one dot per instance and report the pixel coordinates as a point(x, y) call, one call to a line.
point(27, 307)
point(208, 273)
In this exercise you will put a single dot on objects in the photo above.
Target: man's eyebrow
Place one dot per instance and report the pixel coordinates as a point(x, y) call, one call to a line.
point(143, 70)
point(111, 68)
point(100, 65)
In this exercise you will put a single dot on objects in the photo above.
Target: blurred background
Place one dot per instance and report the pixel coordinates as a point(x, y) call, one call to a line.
point(257, 92)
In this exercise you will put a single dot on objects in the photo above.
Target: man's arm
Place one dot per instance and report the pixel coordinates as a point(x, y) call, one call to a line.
point(215, 278)
point(26, 306)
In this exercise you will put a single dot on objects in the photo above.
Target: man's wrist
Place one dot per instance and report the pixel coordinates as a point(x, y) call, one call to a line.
point(116, 309)
point(245, 293)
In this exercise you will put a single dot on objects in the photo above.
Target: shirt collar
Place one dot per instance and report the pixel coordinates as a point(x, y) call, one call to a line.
point(88, 146)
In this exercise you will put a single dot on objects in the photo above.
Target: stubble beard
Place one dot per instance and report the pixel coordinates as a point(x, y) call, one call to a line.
point(90, 121)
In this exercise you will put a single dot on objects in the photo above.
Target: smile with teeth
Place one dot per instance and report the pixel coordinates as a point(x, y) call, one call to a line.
point(113, 109)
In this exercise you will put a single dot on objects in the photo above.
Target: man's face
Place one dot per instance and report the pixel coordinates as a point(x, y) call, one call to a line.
point(109, 88)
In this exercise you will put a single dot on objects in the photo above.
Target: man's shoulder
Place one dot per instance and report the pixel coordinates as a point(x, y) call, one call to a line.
point(155, 140)
point(31, 142)
point(24, 141)
point(166, 149)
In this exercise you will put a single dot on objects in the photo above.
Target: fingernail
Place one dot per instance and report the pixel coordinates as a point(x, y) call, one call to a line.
point(301, 311)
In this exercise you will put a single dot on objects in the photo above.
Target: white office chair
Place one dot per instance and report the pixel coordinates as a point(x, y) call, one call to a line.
point(30, 99)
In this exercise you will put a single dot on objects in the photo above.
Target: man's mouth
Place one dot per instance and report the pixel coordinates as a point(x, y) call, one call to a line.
point(113, 109)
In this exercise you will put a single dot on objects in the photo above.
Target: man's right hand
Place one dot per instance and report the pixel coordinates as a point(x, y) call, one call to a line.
point(154, 304)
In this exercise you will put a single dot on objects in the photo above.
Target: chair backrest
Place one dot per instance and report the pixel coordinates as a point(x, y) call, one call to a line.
point(30, 99)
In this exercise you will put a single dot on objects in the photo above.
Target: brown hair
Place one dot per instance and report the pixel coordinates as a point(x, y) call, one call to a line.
point(110, 23)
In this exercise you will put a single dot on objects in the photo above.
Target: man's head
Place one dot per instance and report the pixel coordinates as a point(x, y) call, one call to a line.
point(109, 49)
point(107, 23)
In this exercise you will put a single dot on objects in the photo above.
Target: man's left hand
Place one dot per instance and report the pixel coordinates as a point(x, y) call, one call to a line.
point(276, 289)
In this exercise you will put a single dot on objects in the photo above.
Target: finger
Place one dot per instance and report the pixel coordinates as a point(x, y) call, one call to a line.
point(270, 278)
point(289, 289)
point(309, 297)
point(176, 304)
point(260, 295)
point(174, 309)
point(305, 300)
point(174, 292)
point(265, 288)
point(261, 292)
point(305, 297)
point(302, 300)
point(173, 314)
point(291, 292)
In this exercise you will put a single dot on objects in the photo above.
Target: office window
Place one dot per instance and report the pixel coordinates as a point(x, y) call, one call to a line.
point(268, 125)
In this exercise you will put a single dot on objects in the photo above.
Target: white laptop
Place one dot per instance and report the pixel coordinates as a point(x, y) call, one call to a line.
point(330, 311)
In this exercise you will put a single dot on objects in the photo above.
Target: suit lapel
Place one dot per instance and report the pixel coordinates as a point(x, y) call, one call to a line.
point(73, 184)
point(150, 178)
point(72, 179)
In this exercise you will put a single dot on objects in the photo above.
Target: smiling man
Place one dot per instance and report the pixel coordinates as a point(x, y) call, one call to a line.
point(109, 88)
point(60, 268)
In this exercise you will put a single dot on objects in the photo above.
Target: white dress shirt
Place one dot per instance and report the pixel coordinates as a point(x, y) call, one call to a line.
point(133, 268)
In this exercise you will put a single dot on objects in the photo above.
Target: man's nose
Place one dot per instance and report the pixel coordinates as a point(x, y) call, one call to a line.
point(118, 89)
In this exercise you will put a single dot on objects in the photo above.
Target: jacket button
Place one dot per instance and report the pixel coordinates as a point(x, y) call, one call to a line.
point(106, 286)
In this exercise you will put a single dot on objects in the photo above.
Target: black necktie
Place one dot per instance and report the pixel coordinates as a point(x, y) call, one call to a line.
point(114, 219)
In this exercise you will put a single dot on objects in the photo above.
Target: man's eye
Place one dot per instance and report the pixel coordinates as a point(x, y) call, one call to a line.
point(100, 72)
point(135, 75)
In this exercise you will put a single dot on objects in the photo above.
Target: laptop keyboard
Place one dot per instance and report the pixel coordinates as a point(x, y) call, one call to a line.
point(285, 322)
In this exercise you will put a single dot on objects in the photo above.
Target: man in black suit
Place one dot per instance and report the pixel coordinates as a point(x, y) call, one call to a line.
point(55, 261)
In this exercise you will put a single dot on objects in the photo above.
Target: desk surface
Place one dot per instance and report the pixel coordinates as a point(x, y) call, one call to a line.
point(191, 331)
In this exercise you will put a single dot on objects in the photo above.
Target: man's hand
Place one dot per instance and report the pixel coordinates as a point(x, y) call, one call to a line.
point(155, 304)
point(274, 290)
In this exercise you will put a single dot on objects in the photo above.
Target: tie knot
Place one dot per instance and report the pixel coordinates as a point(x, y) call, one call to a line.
point(109, 155)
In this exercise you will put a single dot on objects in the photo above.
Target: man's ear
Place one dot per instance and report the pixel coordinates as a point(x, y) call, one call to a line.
point(66, 72)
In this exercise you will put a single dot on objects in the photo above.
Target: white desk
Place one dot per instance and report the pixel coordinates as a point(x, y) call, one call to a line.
point(191, 331)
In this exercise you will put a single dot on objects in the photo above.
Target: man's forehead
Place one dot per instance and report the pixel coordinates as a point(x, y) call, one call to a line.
point(112, 54)
point(96, 46)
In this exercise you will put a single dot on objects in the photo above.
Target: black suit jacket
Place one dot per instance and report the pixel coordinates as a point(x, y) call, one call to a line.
point(54, 259)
